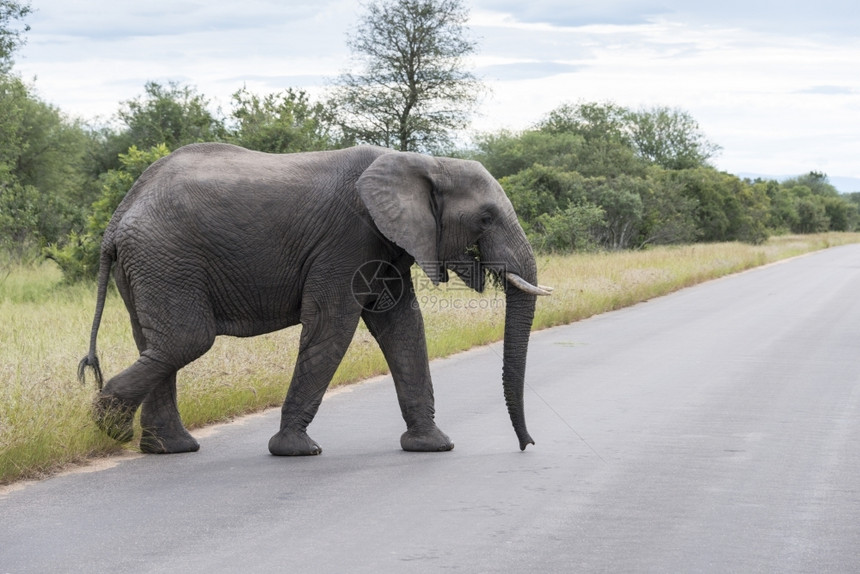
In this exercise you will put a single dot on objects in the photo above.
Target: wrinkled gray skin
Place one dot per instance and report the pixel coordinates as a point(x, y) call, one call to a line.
point(217, 240)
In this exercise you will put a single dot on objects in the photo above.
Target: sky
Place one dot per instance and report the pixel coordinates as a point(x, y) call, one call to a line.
point(775, 84)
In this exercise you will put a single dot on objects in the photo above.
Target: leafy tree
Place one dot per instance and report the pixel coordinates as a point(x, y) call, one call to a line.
point(43, 182)
point(607, 149)
point(810, 204)
point(569, 229)
point(623, 209)
point(599, 139)
point(843, 214)
point(853, 198)
point(412, 90)
point(727, 208)
point(171, 114)
point(670, 138)
point(13, 94)
point(750, 220)
point(19, 215)
point(668, 216)
point(505, 153)
point(782, 217)
point(10, 32)
point(281, 122)
point(589, 138)
point(815, 182)
point(811, 215)
point(542, 190)
point(78, 258)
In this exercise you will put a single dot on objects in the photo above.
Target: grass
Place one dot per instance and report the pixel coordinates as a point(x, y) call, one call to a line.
point(44, 329)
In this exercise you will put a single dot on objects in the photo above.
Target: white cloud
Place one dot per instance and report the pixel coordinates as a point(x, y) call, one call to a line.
point(89, 56)
point(776, 103)
point(795, 17)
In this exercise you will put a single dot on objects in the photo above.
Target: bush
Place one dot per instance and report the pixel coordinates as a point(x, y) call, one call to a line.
point(78, 257)
point(571, 229)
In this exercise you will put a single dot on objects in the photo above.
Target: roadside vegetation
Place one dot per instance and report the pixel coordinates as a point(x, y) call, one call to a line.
point(621, 205)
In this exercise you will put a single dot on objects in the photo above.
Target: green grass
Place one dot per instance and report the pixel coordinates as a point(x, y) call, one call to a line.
point(44, 330)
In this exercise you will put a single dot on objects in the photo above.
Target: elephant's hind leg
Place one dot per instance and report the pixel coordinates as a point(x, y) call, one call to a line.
point(117, 402)
point(178, 333)
point(162, 431)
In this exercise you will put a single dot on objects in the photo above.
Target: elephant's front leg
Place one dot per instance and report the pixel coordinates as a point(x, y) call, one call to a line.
point(400, 334)
point(326, 334)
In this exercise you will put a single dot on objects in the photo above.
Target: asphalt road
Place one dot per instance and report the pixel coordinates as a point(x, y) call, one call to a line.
point(713, 430)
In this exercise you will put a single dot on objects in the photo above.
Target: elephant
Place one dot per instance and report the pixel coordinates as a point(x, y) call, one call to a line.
point(214, 239)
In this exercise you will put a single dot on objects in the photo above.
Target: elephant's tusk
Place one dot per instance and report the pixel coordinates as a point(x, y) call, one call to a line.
point(525, 286)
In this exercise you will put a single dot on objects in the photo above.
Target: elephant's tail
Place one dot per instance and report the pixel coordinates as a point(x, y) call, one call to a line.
point(92, 360)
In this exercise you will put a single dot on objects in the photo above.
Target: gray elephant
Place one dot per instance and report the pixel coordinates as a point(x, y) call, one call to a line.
point(218, 240)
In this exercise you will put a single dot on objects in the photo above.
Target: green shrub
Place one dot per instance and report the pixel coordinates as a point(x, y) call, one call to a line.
point(567, 230)
point(78, 257)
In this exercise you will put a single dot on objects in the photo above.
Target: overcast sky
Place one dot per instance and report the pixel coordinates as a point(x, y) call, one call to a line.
point(776, 84)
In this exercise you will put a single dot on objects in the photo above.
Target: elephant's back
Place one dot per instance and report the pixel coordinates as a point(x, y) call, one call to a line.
point(218, 188)
point(223, 220)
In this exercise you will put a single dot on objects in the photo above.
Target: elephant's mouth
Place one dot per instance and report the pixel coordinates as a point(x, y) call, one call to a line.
point(470, 268)
point(476, 273)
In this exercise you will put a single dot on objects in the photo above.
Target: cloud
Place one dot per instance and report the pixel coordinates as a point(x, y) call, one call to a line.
point(828, 90)
point(276, 83)
point(574, 13)
point(525, 70)
point(108, 20)
point(798, 17)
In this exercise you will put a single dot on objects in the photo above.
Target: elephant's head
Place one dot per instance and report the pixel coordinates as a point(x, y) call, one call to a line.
point(452, 214)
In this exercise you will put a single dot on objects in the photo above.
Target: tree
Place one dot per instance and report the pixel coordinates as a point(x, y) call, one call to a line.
point(540, 190)
point(173, 115)
point(281, 122)
point(668, 216)
point(853, 199)
point(815, 181)
point(10, 34)
point(78, 257)
point(570, 229)
point(506, 153)
point(412, 91)
point(607, 149)
point(843, 214)
point(621, 200)
point(670, 138)
point(810, 204)
point(43, 183)
point(812, 216)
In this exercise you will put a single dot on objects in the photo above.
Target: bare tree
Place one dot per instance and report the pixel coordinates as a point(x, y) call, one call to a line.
point(411, 92)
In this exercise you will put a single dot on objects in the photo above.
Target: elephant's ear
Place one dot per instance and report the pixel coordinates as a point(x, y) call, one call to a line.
point(399, 192)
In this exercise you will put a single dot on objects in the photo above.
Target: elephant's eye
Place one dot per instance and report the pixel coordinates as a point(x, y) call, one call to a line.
point(486, 220)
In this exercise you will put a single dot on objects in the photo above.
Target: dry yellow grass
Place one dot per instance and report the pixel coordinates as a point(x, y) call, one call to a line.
point(44, 330)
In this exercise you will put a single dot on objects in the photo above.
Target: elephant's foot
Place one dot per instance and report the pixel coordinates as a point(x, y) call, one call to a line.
point(159, 441)
point(425, 440)
point(290, 442)
point(114, 417)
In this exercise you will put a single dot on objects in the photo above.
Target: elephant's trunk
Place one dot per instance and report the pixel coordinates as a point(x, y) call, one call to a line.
point(521, 293)
point(519, 312)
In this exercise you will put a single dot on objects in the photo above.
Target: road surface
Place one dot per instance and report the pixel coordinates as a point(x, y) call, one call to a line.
point(713, 430)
